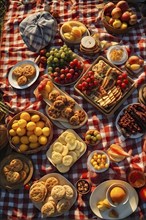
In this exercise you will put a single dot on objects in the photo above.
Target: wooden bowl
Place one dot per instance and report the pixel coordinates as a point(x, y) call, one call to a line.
point(42, 118)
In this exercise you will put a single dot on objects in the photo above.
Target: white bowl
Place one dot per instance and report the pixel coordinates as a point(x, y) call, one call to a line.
point(92, 168)
point(120, 202)
point(123, 58)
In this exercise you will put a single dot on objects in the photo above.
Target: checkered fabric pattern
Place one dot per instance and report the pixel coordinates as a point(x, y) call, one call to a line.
point(16, 204)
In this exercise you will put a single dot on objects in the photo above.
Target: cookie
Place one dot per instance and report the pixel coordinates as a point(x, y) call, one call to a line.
point(37, 192)
point(67, 160)
point(53, 112)
point(74, 156)
point(59, 104)
point(12, 177)
point(53, 95)
point(25, 167)
point(74, 120)
point(63, 205)
point(16, 165)
point(67, 112)
point(58, 192)
point(6, 169)
point(51, 182)
point(50, 198)
point(69, 193)
point(29, 70)
point(56, 157)
point(48, 209)
point(23, 175)
point(22, 80)
point(18, 71)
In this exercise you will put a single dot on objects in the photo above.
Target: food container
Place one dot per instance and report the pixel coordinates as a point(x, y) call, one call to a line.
point(117, 54)
point(92, 137)
point(117, 194)
point(83, 186)
point(74, 30)
point(93, 93)
point(136, 178)
point(98, 161)
point(33, 149)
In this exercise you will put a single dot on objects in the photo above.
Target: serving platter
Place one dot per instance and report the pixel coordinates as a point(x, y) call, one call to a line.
point(12, 79)
point(93, 97)
point(61, 139)
point(122, 210)
point(62, 181)
point(7, 185)
point(133, 136)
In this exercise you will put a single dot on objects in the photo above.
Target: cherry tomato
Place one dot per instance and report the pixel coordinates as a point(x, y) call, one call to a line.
point(125, 81)
point(123, 85)
point(124, 75)
point(119, 82)
point(42, 52)
point(142, 194)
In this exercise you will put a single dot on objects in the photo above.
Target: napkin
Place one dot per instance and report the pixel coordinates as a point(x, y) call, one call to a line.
point(38, 30)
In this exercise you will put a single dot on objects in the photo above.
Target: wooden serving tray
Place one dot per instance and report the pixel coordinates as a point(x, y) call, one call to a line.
point(113, 108)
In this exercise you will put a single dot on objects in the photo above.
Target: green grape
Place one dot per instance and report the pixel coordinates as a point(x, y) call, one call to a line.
point(55, 60)
point(63, 55)
point(50, 69)
point(47, 54)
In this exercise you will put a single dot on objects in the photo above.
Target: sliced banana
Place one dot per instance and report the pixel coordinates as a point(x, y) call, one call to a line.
point(77, 153)
point(74, 155)
point(78, 146)
point(72, 146)
point(70, 138)
point(67, 160)
point(61, 139)
point(65, 150)
point(58, 147)
point(56, 157)
point(82, 147)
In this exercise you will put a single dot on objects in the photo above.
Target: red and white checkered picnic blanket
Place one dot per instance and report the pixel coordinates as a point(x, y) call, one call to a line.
point(16, 204)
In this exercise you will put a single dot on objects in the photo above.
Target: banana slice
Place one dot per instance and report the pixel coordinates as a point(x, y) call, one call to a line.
point(74, 156)
point(82, 147)
point(61, 139)
point(67, 160)
point(72, 146)
point(58, 147)
point(65, 150)
point(77, 153)
point(56, 157)
point(78, 146)
point(70, 138)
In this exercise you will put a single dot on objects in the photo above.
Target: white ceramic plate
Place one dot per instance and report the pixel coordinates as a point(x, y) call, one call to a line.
point(137, 135)
point(123, 210)
point(63, 181)
point(123, 59)
point(49, 152)
point(13, 81)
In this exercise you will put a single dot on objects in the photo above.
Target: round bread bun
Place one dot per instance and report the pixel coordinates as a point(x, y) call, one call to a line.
point(117, 194)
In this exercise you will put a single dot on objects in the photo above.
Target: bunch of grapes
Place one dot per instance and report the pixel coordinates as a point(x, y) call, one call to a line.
point(59, 57)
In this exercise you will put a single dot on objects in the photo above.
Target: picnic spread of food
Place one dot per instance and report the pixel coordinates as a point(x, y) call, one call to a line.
point(73, 110)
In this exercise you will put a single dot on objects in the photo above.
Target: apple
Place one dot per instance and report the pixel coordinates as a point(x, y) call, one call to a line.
point(107, 18)
point(141, 62)
point(133, 19)
point(133, 60)
point(142, 193)
point(111, 21)
point(123, 5)
point(116, 13)
point(124, 25)
point(108, 8)
point(125, 16)
point(117, 23)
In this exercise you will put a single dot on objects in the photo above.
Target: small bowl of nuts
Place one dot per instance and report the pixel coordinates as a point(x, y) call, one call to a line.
point(98, 161)
point(92, 137)
point(83, 186)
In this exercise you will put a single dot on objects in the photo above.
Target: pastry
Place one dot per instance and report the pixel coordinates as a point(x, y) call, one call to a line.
point(67, 112)
point(81, 115)
point(29, 70)
point(70, 102)
point(53, 112)
point(58, 192)
point(63, 205)
point(59, 104)
point(74, 120)
point(51, 182)
point(48, 209)
point(62, 98)
point(16, 165)
point(12, 177)
point(18, 71)
point(53, 95)
point(69, 193)
point(22, 80)
point(6, 169)
point(26, 167)
point(23, 175)
point(38, 192)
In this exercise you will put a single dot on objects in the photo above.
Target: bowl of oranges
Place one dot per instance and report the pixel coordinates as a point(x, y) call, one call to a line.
point(29, 131)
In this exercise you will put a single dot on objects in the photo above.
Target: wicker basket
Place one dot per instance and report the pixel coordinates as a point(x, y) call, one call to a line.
point(47, 123)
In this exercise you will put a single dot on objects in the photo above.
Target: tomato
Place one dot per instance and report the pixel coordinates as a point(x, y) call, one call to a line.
point(142, 193)
point(124, 75)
